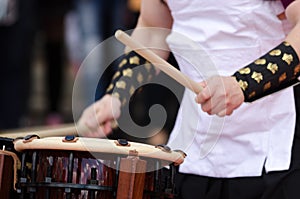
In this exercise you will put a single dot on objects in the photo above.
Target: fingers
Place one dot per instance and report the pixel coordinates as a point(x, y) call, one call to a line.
point(100, 131)
point(204, 95)
point(97, 118)
point(209, 98)
point(216, 105)
point(222, 113)
point(107, 108)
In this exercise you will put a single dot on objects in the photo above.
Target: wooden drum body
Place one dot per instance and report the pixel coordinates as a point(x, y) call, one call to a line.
point(8, 160)
point(94, 168)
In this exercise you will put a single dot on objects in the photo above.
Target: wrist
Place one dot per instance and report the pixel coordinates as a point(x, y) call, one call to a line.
point(238, 87)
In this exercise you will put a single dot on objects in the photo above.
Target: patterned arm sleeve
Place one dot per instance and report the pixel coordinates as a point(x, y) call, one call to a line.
point(274, 71)
point(132, 71)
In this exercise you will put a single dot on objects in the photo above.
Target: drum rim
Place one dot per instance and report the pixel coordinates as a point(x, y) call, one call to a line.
point(100, 145)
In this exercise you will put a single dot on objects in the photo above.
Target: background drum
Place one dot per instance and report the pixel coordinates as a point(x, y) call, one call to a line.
point(56, 167)
point(7, 155)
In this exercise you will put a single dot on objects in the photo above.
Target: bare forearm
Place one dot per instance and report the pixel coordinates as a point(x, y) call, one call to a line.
point(293, 16)
point(153, 26)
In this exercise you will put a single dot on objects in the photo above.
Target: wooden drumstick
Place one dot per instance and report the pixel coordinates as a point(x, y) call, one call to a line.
point(158, 62)
point(42, 131)
point(61, 130)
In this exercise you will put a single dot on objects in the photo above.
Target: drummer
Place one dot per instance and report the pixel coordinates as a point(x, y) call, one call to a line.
point(247, 153)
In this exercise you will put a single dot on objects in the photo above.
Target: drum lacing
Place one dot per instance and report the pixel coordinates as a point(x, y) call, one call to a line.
point(17, 163)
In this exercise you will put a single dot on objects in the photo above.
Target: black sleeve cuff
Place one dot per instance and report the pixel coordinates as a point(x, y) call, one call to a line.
point(274, 71)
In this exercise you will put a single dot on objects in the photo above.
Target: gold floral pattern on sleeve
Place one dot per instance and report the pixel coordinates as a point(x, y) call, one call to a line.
point(267, 86)
point(245, 70)
point(127, 72)
point(286, 43)
point(124, 101)
point(134, 60)
point(117, 74)
point(282, 77)
point(121, 84)
point(243, 85)
point(149, 78)
point(148, 66)
point(260, 61)
point(116, 94)
point(272, 67)
point(257, 76)
point(252, 94)
point(275, 52)
point(287, 58)
point(140, 78)
point(122, 63)
point(109, 88)
point(131, 90)
point(297, 70)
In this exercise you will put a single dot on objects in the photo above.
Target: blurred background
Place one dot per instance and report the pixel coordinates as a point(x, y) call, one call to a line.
point(43, 44)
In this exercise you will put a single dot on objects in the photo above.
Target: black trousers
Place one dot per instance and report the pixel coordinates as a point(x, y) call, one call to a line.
point(272, 185)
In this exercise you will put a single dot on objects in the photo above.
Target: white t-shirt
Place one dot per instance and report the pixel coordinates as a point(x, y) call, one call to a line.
point(226, 35)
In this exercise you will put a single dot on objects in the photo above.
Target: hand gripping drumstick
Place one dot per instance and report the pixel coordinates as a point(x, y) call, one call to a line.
point(158, 62)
